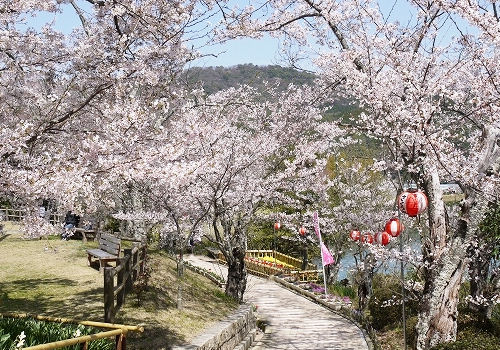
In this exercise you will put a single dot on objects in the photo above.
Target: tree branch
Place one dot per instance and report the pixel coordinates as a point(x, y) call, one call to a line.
point(69, 114)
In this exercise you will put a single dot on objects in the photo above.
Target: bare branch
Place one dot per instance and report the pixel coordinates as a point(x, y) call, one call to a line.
point(81, 16)
point(52, 124)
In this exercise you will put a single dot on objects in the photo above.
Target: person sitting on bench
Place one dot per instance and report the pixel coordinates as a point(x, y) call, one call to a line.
point(70, 222)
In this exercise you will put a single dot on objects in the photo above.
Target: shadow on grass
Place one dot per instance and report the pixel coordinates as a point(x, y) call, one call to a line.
point(28, 296)
point(154, 337)
point(21, 296)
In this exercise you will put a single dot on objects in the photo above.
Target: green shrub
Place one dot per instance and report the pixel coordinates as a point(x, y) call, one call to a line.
point(411, 332)
point(342, 291)
point(385, 302)
point(111, 224)
point(471, 338)
point(495, 319)
point(39, 332)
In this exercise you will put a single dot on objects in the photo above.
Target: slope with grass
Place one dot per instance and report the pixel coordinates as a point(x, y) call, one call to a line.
point(51, 277)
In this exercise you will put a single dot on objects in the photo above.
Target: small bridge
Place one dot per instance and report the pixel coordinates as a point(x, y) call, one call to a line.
point(265, 263)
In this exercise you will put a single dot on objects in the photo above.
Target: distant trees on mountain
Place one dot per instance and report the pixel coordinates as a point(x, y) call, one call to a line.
point(219, 78)
point(214, 79)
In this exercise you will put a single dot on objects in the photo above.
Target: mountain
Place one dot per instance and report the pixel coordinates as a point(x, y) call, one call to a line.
point(214, 79)
point(219, 78)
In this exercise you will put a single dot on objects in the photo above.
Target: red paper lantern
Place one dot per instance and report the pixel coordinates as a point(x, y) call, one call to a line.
point(412, 202)
point(355, 235)
point(277, 225)
point(394, 227)
point(383, 238)
point(367, 238)
point(302, 231)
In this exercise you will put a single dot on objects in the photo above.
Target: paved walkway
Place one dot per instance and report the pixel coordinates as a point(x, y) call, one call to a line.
point(295, 322)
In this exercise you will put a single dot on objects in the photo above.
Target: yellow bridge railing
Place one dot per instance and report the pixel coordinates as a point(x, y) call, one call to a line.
point(290, 260)
point(265, 269)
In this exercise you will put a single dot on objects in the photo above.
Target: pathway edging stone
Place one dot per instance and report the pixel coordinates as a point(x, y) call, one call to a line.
point(237, 331)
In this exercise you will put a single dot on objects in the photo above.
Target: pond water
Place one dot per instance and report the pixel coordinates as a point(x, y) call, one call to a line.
point(348, 263)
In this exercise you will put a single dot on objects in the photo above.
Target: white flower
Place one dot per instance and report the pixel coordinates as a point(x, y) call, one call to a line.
point(20, 342)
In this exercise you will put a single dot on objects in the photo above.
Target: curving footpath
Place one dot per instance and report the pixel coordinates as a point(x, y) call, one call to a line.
point(293, 322)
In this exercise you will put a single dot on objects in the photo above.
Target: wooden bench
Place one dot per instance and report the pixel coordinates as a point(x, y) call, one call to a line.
point(213, 252)
point(108, 251)
point(86, 234)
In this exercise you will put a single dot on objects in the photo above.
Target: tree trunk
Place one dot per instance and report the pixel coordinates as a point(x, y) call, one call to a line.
point(332, 272)
point(444, 266)
point(364, 291)
point(445, 254)
point(232, 241)
point(180, 274)
point(365, 285)
point(237, 274)
point(305, 259)
point(132, 201)
point(479, 271)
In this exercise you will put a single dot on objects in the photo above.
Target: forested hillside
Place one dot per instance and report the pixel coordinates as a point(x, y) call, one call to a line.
point(219, 78)
point(214, 79)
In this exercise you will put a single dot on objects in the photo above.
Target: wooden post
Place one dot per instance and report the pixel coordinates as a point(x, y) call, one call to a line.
point(129, 283)
point(143, 258)
point(135, 257)
point(109, 300)
point(121, 342)
point(84, 346)
point(122, 275)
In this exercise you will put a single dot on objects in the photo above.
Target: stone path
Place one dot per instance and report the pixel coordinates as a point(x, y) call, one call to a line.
point(293, 321)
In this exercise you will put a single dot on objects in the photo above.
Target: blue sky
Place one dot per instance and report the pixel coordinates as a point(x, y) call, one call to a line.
point(259, 52)
point(263, 51)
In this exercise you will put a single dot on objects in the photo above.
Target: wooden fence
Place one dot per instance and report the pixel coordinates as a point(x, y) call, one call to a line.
point(8, 214)
point(12, 214)
point(127, 269)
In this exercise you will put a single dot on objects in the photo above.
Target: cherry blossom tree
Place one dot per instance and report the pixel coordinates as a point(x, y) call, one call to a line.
point(252, 151)
point(428, 89)
point(219, 158)
point(78, 104)
point(362, 198)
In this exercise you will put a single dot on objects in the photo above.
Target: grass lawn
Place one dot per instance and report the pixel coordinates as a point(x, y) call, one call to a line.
point(51, 277)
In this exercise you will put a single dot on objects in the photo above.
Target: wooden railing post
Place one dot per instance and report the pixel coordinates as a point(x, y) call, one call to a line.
point(129, 283)
point(121, 342)
point(109, 300)
point(122, 275)
point(134, 271)
point(143, 252)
